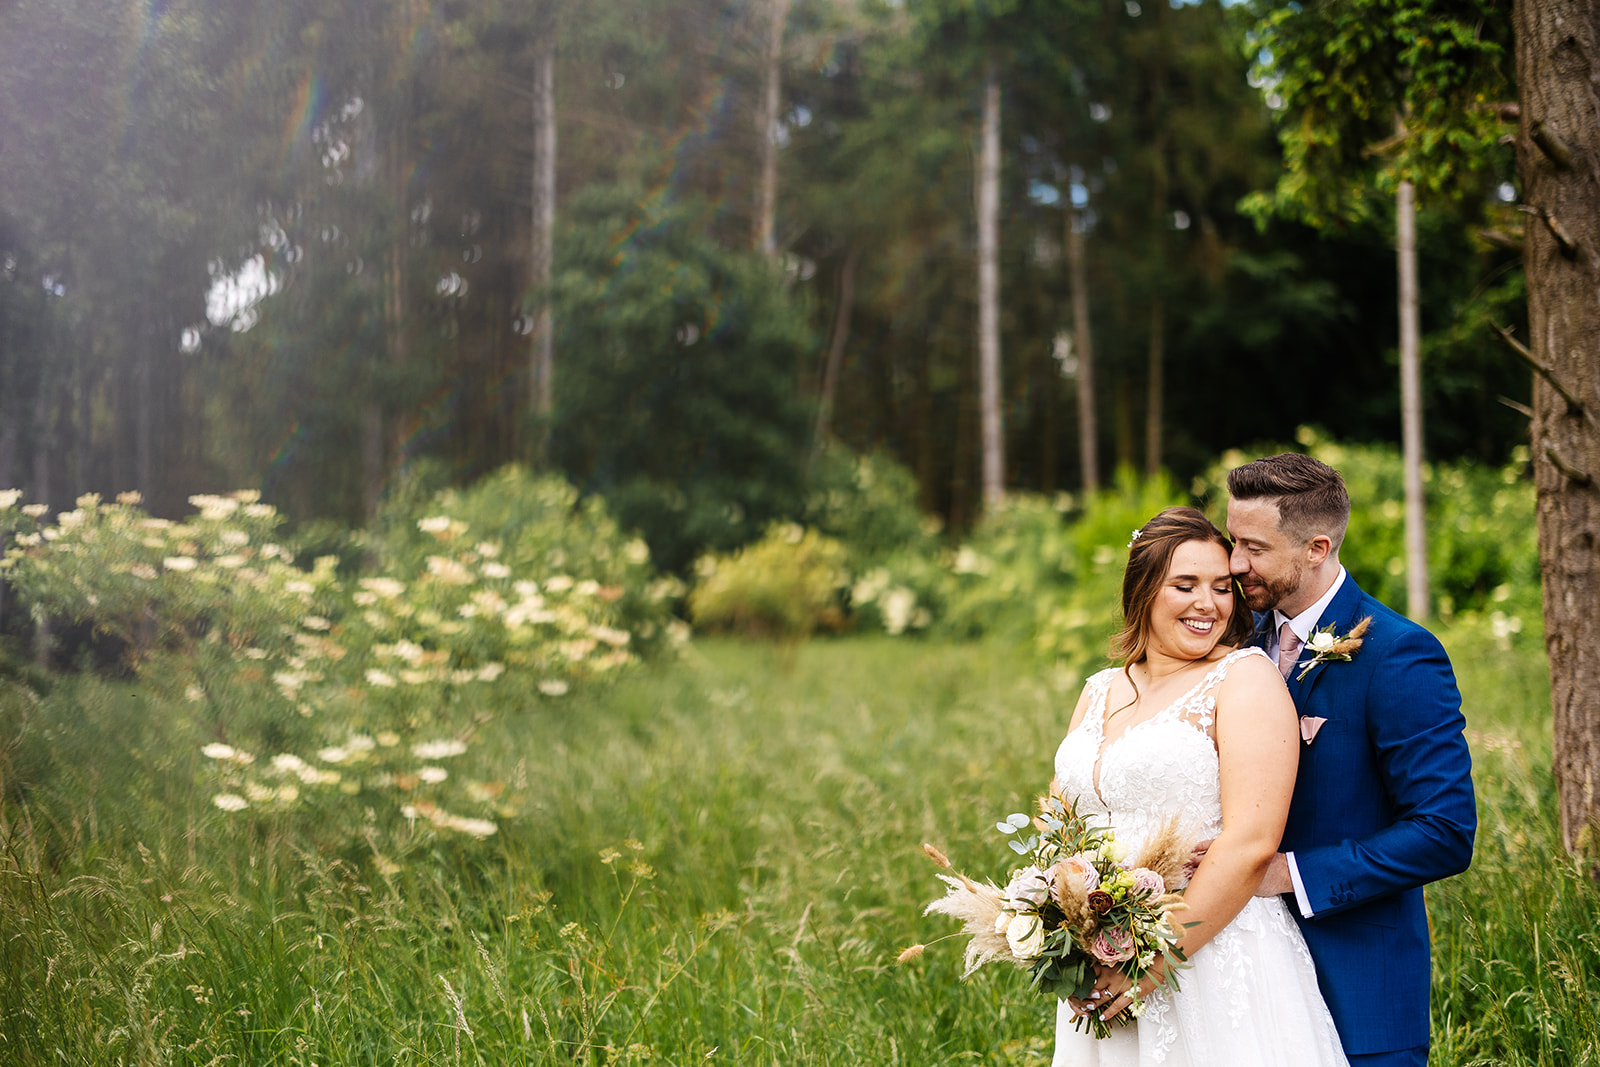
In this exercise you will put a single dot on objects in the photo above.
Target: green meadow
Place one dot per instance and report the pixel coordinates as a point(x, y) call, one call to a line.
point(717, 860)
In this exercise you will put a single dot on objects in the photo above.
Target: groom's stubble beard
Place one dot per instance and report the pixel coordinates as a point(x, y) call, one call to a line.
point(1273, 590)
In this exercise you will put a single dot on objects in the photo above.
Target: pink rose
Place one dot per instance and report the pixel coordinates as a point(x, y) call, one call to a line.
point(1079, 865)
point(1148, 882)
point(1112, 946)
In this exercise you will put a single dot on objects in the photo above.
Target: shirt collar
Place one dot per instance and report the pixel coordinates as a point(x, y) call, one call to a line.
point(1303, 623)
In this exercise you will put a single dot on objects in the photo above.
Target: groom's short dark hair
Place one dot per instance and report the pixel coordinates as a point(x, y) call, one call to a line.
point(1310, 495)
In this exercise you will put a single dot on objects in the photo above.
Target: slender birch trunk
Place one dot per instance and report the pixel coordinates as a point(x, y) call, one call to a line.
point(1154, 413)
point(1411, 405)
point(991, 434)
point(542, 254)
point(1082, 343)
point(836, 344)
point(767, 131)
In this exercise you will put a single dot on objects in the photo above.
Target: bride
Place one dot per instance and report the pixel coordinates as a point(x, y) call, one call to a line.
point(1195, 726)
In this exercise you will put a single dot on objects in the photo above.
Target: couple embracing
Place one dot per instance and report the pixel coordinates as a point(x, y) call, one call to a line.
point(1315, 742)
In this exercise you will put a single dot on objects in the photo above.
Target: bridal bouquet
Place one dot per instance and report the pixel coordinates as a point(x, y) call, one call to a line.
point(1079, 900)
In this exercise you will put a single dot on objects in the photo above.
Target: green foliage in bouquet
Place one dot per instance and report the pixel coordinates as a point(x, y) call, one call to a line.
point(1081, 901)
point(788, 584)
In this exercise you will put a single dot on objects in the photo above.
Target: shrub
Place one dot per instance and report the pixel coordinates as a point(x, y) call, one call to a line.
point(314, 688)
point(1481, 534)
point(679, 403)
point(788, 584)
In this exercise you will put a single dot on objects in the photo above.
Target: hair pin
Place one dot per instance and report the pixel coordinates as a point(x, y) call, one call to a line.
point(1135, 536)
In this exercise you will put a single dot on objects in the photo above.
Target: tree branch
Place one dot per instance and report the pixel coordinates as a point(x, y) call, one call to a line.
point(1500, 239)
point(1574, 475)
point(1551, 144)
point(1521, 409)
point(1574, 405)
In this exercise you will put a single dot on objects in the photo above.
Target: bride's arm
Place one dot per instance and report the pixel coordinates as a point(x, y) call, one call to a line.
point(1258, 752)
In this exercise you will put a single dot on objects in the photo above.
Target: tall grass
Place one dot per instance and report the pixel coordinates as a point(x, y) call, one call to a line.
point(717, 861)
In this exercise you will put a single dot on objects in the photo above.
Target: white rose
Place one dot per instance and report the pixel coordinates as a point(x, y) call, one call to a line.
point(1027, 890)
point(1321, 641)
point(1025, 935)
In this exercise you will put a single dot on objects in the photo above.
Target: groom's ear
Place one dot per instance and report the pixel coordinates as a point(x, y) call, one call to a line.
point(1318, 549)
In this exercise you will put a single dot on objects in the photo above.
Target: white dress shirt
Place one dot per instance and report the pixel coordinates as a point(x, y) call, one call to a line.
point(1302, 625)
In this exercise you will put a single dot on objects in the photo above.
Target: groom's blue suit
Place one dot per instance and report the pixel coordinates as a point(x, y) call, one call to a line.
point(1383, 804)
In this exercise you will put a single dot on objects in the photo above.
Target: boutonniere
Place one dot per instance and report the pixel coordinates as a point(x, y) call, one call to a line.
point(1327, 646)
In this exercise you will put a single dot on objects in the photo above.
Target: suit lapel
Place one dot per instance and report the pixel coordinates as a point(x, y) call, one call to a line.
point(1342, 612)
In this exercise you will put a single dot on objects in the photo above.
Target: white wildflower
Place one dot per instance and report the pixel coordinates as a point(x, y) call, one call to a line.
point(315, 622)
point(219, 751)
point(432, 750)
point(9, 498)
point(490, 671)
point(434, 524)
point(33, 511)
point(179, 563)
point(433, 775)
point(230, 802)
point(379, 678)
point(553, 687)
point(388, 588)
point(496, 570)
point(449, 571)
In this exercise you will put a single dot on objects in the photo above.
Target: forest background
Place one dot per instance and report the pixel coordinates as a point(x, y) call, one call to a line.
point(300, 248)
point(384, 387)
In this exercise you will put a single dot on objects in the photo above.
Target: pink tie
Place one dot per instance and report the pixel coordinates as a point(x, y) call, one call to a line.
point(1288, 648)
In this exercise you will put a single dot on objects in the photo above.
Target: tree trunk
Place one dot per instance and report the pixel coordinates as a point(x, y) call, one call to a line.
point(1156, 386)
point(767, 131)
point(1411, 405)
point(836, 344)
point(989, 291)
point(1558, 48)
point(1082, 343)
point(542, 254)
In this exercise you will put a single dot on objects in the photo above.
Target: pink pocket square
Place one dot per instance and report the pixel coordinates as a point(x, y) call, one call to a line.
point(1309, 725)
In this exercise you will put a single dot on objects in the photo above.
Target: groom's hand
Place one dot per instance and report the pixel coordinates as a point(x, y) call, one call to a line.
point(1276, 881)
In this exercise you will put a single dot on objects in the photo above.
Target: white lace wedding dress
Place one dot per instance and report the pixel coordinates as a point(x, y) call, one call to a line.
point(1250, 999)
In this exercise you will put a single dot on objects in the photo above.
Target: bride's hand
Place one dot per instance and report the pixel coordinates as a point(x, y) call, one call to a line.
point(1113, 993)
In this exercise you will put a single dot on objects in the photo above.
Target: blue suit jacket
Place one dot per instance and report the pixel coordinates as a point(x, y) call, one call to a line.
point(1383, 804)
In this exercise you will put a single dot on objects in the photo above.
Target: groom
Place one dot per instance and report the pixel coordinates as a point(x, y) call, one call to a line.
point(1383, 803)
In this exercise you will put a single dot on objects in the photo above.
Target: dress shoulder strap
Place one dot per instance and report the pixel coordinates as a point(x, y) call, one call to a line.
point(1200, 703)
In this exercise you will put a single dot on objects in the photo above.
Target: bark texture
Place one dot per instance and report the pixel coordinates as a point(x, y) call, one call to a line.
point(1558, 76)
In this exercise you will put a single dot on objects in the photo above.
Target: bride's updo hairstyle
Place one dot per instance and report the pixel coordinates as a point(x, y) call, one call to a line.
point(1149, 557)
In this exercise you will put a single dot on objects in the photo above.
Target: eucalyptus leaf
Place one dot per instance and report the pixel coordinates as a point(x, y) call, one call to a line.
point(1018, 820)
point(1018, 847)
point(1005, 827)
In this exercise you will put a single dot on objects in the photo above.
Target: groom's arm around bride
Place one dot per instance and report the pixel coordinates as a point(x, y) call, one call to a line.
point(1383, 803)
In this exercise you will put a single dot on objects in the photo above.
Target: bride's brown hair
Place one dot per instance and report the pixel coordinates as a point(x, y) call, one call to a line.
point(1149, 556)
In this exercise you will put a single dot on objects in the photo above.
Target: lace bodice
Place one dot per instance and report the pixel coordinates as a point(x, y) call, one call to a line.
point(1163, 766)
